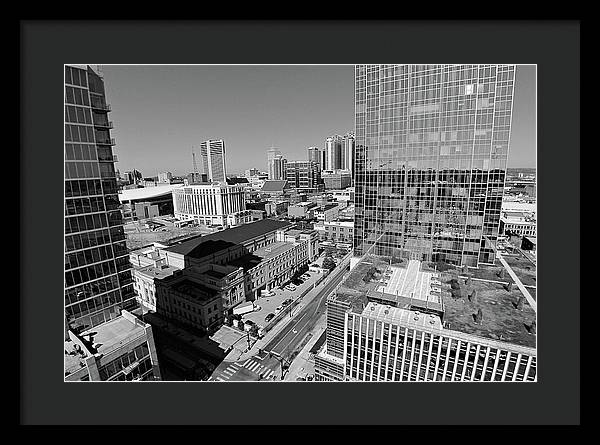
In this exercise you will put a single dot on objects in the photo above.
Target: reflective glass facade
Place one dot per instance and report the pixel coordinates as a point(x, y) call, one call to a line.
point(430, 161)
point(98, 278)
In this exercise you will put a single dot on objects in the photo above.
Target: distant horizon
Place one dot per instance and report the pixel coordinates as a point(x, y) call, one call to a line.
point(162, 112)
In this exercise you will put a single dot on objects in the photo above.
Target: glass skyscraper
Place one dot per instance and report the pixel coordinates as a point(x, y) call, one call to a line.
point(98, 280)
point(212, 154)
point(430, 162)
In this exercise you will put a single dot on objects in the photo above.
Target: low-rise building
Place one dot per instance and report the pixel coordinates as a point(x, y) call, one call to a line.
point(336, 231)
point(185, 298)
point(304, 209)
point(327, 212)
point(336, 179)
point(121, 349)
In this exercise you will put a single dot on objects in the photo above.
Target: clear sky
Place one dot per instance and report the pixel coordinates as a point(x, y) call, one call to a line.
point(161, 112)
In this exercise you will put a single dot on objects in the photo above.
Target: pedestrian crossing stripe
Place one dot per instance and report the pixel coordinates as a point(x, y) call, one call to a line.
point(236, 365)
point(219, 379)
point(228, 372)
point(247, 361)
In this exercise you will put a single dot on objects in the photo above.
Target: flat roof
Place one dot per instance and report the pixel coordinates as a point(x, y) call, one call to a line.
point(273, 249)
point(147, 192)
point(247, 261)
point(502, 321)
point(112, 334)
point(195, 290)
point(401, 316)
point(156, 272)
point(235, 235)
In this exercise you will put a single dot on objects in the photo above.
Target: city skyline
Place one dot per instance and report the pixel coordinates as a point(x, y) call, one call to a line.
point(252, 108)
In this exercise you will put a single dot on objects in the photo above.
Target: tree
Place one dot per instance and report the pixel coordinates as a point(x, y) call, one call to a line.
point(329, 263)
point(509, 286)
point(254, 330)
point(468, 281)
point(533, 327)
point(500, 273)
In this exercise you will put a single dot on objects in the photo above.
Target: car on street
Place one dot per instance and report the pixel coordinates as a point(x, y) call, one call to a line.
point(278, 309)
point(286, 302)
point(269, 317)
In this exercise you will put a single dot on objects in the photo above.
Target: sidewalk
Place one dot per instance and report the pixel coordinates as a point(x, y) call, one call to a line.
point(302, 364)
point(259, 344)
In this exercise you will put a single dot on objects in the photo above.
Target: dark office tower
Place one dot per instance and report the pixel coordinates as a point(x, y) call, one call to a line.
point(314, 154)
point(98, 280)
point(212, 154)
point(334, 153)
point(431, 150)
point(303, 175)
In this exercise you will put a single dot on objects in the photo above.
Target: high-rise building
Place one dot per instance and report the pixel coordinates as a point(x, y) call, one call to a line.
point(98, 280)
point(431, 150)
point(314, 154)
point(303, 175)
point(212, 154)
point(393, 323)
point(275, 164)
point(103, 341)
point(334, 153)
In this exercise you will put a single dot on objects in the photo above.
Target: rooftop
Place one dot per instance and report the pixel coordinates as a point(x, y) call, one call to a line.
point(235, 235)
point(147, 192)
point(247, 261)
point(411, 288)
point(273, 249)
point(274, 186)
point(197, 291)
point(111, 335)
point(156, 272)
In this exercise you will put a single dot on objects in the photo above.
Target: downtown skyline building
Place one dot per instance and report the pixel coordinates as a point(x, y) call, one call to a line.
point(432, 144)
point(276, 164)
point(103, 339)
point(392, 322)
point(212, 156)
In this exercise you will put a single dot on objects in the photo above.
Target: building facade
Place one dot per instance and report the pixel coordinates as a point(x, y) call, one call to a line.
point(276, 164)
point(336, 179)
point(393, 323)
point(121, 349)
point(212, 155)
point(209, 204)
point(314, 154)
point(430, 161)
point(334, 153)
point(349, 147)
point(303, 174)
point(98, 281)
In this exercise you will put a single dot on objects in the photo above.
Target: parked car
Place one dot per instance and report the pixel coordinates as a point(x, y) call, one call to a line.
point(269, 317)
point(291, 287)
point(286, 302)
point(278, 309)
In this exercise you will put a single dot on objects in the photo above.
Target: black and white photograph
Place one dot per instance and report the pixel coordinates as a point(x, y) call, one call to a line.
point(269, 223)
point(263, 222)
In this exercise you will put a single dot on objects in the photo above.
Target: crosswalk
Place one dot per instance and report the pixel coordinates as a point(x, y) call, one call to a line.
point(254, 366)
point(250, 364)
